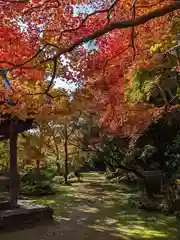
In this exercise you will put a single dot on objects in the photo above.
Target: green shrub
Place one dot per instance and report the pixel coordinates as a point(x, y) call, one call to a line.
point(39, 188)
point(37, 182)
point(157, 205)
point(42, 174)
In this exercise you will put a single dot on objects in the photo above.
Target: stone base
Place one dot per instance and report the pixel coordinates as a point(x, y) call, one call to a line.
point(5, 205)
point(24, 216)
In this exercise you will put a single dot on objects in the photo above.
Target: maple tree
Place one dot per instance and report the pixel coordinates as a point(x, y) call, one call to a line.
point(42, 39)
point(59, 140)
point(32, 149)
point(56, 136)
point(64, 144)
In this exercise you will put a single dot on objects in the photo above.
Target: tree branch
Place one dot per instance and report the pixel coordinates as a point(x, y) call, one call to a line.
point(121, 25)
point(133, 29)
point(27, 61)
point(110, 27)
point(16, 2)
point(108, 10)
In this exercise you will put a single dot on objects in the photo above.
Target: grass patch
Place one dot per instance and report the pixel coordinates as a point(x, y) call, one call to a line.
point(96, 209)
point(109, 205)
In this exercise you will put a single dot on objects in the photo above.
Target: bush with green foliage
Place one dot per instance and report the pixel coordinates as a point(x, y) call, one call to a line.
point(38, 188)
point(144, 158)
point(37, 182)
point(111, 153)
point(173, 154)
point(157, 204)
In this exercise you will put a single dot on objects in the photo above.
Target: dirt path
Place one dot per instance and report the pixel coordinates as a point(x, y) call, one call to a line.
point(96, 210)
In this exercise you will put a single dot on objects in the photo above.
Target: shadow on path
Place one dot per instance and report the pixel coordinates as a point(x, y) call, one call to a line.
point(97, 210)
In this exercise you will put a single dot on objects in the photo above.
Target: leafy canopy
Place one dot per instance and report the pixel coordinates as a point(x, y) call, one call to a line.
point(45, 39)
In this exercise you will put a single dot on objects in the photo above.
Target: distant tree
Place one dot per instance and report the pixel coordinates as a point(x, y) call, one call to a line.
point(32, 149)
point(63, 141)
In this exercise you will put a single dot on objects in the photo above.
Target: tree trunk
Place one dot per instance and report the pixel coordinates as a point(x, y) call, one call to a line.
point(38, 164)
point(66, 156)
point(38, 170)
point(58, 168)
point(14, 178)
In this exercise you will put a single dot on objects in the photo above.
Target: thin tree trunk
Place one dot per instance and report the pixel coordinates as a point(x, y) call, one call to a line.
point(38, 164)
point(58, 166)
point(38, 169)
point(57, 156)
point(66, 155)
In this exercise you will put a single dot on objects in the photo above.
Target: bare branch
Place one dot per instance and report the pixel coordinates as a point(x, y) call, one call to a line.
point(173, 48)
point(74, 127)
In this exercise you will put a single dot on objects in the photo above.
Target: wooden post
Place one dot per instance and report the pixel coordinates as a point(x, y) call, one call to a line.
point(14, 178)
